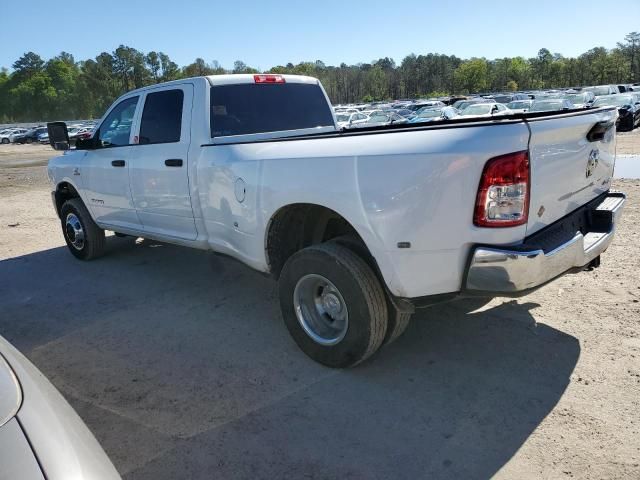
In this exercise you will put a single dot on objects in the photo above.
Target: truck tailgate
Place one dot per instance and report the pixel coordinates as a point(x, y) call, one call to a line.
point(567, 170)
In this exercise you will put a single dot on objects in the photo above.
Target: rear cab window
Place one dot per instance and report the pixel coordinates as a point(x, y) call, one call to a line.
point(250, 108)
point(162, 117)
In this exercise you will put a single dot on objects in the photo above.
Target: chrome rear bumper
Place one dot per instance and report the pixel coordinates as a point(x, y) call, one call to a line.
point(516, 270)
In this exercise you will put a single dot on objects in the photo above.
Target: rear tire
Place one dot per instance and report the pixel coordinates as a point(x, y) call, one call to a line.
point(84, 238)
point(5, 141)
point(398, 323)
point(333, 305)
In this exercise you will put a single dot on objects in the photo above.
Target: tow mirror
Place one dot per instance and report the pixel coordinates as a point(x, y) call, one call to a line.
point(58, 135)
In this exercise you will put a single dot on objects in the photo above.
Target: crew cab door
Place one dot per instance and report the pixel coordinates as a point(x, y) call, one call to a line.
point(105, 170)
point(159, 167)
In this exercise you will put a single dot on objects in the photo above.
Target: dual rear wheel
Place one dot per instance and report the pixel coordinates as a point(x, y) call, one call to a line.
point(334, 306)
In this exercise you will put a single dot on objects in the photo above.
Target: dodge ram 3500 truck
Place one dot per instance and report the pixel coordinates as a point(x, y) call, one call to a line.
point(360, 227)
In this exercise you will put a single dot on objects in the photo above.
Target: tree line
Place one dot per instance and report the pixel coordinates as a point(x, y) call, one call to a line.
point(63, 88)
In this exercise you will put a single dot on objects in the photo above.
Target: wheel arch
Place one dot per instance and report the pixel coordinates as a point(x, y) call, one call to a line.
point(65, 190)
point(295, 226)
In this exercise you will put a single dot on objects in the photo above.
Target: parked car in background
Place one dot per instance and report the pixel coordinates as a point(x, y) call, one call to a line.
point(507, 97)
point(434, 114)
point(600, 90)
point(41, 436)
point(383, 118)
point(489, 109)
point(43, 138)
point(405, 112)
point(29, 136)
point(15, 133)
point(346, 120)
point(628, 109)
point(425, 103)
point(462, 104)
point(551, 105)
point(520, 106)
point(582, 99)
point(5, 135)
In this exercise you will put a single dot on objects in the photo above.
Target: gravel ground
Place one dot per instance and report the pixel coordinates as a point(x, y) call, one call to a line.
point(179, 363)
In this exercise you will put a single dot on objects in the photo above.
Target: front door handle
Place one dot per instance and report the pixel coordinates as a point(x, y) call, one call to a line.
point(173, 162)
point(117, 163)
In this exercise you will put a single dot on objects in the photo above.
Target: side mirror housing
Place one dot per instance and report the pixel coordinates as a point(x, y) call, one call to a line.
point(90, 143)
point(58, 135)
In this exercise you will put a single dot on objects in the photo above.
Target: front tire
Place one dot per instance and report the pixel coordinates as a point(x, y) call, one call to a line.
point(83, 237)
point(333, 305)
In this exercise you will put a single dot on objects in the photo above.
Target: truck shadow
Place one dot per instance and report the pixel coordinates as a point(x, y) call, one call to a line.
point(180, 364)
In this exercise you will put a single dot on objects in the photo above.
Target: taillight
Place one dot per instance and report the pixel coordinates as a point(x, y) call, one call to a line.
point(503, 194)
point(268, 78)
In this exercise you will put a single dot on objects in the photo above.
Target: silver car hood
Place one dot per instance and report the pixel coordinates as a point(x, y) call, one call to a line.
point(10, 393)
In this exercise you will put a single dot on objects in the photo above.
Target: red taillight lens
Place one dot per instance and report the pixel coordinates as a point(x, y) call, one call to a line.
point(503, 194)
point(268, 78)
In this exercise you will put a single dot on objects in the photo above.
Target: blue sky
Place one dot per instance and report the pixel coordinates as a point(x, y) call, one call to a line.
point(267, 33)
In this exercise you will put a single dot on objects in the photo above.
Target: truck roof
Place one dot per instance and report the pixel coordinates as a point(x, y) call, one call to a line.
point(229, 79)
point(237, 78)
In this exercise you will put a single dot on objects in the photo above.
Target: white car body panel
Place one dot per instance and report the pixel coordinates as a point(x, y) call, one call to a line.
point(10, 393)
point(64, 446)
point(414, 185)
point(16, 457)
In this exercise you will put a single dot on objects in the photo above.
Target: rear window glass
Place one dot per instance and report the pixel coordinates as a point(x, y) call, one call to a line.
point(162, 117)
point(258, 108)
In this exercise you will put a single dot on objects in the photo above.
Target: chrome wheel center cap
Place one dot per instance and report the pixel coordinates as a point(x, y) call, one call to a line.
point(331, 304)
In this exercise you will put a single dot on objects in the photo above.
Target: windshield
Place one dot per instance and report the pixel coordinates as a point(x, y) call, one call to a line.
point(429, 113)
point(518, 104)
point(342, 118)
point(576, 98)
point(381, 117)
point(479, 109)
point(546, 106)
point(598, 91)
point(617, 100)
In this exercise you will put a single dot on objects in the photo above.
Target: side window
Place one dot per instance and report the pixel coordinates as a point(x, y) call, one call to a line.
point(162, 117)
point(116, 128)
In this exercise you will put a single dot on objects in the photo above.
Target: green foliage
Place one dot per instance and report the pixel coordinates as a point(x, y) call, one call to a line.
point(63, 88)
point(472, 76)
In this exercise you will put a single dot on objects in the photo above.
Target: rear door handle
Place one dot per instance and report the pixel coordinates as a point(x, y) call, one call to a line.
point(117, 163)
point(173, 162)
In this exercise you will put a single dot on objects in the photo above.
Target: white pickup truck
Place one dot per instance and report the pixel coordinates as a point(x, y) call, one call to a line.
point(360, 227)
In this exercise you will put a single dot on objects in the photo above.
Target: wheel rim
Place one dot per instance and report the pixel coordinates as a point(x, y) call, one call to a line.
point(320, 309)
point(74, 231)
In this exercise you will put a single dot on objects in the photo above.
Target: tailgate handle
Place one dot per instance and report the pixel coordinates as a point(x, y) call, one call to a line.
point(173, 162)
point(599, 130)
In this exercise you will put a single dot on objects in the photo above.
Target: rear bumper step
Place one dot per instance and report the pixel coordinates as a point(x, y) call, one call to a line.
point(514, 271)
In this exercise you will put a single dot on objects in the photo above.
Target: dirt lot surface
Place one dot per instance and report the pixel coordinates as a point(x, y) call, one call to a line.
point(179, 363)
